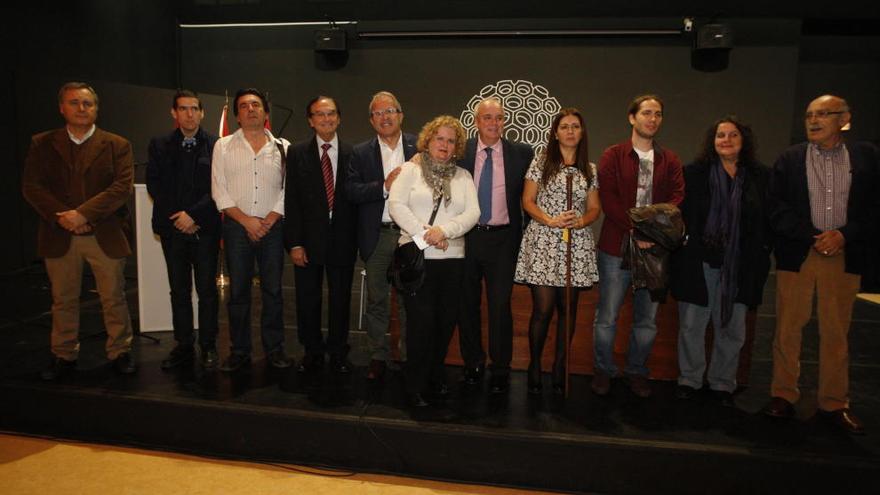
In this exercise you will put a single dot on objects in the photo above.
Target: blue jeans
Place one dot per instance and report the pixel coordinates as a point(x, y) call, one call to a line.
point(241, 253)
point(727, 341)
point(614, 283)
point(185, 256)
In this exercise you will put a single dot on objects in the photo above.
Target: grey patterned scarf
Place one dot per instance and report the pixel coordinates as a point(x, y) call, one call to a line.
point(438, 176)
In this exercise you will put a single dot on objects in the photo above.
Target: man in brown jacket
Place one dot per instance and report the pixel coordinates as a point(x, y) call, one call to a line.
point(78, 179)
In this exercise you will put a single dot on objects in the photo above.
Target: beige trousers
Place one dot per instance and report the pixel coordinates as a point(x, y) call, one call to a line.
point(836, 292)
point(65, 275)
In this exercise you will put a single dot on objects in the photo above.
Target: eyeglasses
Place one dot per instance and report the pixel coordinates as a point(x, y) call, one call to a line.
point(84, 103)
point(331, 113)
point(821, 114)
point(388, 111)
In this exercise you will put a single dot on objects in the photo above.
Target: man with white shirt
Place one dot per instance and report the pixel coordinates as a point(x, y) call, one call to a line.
point(248, 187)
point(636, 172)
point(79, 180)
point(374, 166)
point(319, 235)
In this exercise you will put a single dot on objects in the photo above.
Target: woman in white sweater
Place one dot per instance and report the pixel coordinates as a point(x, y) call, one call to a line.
point(433, 310)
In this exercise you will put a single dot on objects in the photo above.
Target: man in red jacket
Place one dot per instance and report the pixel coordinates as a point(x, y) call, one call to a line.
point(636, 172)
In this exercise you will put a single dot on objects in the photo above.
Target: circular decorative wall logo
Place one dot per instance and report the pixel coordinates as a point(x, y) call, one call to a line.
point(528, 107)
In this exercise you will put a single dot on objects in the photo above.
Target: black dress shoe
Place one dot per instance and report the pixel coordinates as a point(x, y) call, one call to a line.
point(311, 363)
point(779, 408)
point(210, 358)
point(417, 401)
point(58, 368)
point(844, 420)
point(685, 392)
point(535, 388)
point(440, 391)
point(235, 362)
point(499, 384)
point(376, 371)
point(278, 359)
point(601, 384)
point(473, 375)
point(340, 365)
point(181, 355)
point(124, 364)
point(724, 398)
point(558, 389)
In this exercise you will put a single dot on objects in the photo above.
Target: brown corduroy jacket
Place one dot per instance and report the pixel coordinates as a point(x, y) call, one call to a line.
point(95, 178)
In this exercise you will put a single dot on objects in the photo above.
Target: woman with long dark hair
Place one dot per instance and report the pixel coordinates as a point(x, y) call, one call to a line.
point(720, 272)
point(544, 261)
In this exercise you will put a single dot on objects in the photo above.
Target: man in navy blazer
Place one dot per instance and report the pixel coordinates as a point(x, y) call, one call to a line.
point(186, 220)
point(825, 213)
point(319, 235)
point(374, 166)
point(491, 248)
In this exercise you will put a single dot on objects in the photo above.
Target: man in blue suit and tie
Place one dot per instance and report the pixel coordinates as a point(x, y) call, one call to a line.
point(374, 166)
point(499, 168)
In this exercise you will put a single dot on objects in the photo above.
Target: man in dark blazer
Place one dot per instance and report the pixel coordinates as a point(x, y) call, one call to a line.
point(492, 246)
point(79, 179)
point(319, 234)
point(374, 166)
point(187, 222)
point(825, 213)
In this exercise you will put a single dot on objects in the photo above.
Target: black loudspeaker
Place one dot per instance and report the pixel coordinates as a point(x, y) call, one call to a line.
point(330, 41)
point(714, 37)
point(331, 52)
point(712, 45)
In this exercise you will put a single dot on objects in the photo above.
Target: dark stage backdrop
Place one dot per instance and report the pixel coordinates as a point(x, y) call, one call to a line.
point(431, 77)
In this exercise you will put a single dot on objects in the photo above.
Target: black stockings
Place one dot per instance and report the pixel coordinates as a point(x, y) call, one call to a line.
point(544, 300)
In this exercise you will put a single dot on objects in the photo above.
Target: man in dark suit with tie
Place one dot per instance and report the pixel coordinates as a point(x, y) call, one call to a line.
point(319, 234)
point(374, 166)
point(498, 167)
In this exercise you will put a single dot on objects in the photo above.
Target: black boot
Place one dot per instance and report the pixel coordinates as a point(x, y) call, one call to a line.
point(537, 338)
point(534, 386)
point(182, 355)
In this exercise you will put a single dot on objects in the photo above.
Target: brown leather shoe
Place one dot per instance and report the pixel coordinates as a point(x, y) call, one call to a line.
point(779, 408)
point(376, 370)
point(601, 384)
point(843, 419)
point(639, 385)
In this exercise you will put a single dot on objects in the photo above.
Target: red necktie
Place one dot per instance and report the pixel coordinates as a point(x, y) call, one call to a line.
point(327, 170)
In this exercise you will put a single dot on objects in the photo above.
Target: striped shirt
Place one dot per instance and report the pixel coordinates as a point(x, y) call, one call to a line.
point(828, 178)
point(254, 182)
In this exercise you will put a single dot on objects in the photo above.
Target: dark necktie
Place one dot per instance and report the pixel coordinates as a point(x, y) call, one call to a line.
point(327, 171)
point(484, 191)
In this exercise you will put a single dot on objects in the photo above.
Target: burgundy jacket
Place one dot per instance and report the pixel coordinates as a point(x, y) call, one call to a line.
point(618, 180)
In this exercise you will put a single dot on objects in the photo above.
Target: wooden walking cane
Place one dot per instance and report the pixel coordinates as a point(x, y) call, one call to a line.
point(566, 236)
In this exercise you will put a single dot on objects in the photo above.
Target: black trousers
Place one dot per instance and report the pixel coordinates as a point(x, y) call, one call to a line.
point(431, 316)
point(490, 255)
point(185, 256)
point(309, 289)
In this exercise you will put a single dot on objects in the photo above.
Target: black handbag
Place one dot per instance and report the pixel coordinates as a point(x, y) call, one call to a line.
point(407, 269)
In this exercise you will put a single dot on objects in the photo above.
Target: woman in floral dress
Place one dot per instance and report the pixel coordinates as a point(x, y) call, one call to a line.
point(542, 256)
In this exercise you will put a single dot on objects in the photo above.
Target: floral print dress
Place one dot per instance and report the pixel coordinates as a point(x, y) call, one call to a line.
point(542, 252)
